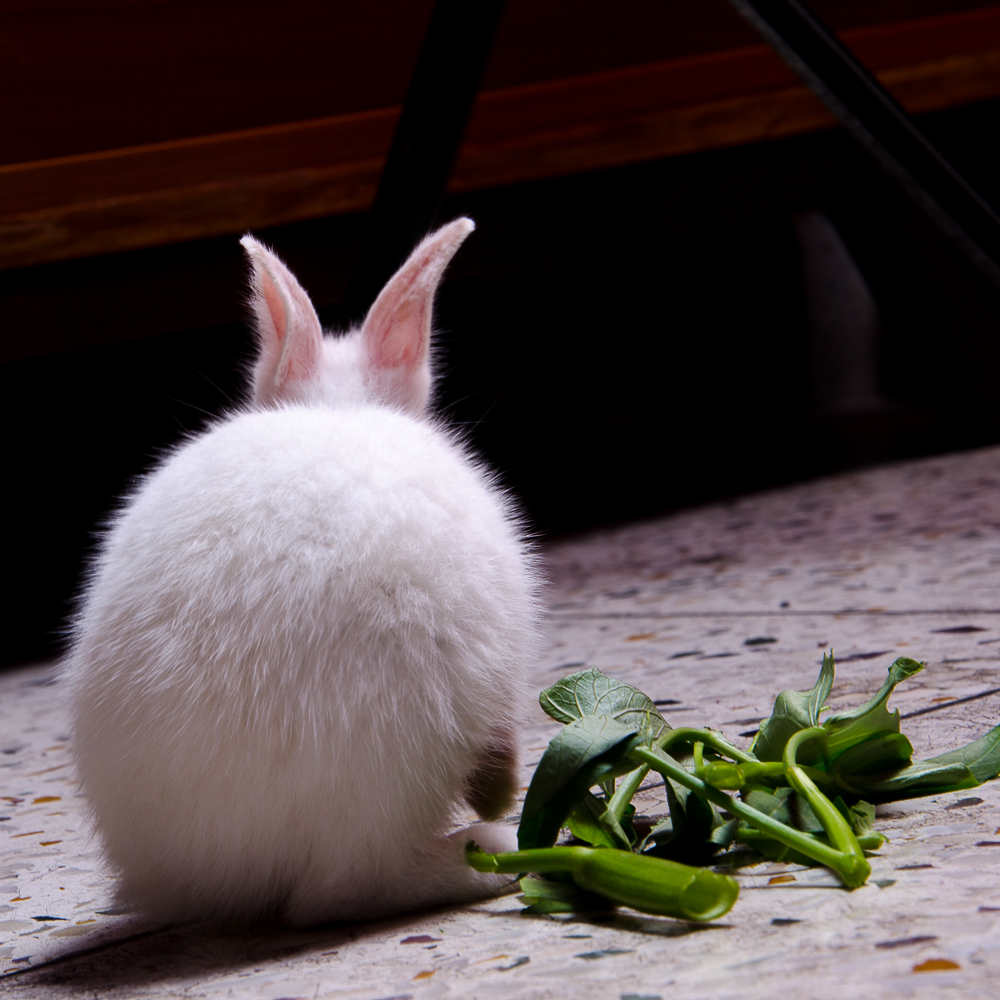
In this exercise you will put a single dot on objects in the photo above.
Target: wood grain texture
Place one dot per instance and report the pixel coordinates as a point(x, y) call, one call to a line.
point(80, 76)
point(179, 189)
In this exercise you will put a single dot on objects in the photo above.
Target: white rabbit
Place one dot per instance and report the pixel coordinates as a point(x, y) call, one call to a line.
point(305, 637)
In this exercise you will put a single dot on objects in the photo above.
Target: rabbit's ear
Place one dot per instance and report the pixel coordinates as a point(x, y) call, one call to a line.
point(397, 331)
point(289, 335)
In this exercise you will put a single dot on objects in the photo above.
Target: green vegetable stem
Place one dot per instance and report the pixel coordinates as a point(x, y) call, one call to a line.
point(852, 866)
point(825, 854)
point(651, 885)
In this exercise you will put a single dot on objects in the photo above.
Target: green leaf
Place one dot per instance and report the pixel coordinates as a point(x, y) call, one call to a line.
point(693, 818)
point(954, 771)
point(591, 822)
point(723, 836)
point(584, 822)
point(872, 718)
point(922, 777)
point(899, 670)
point(659, 832)
point(591, 692)
point(786, 806)
point(688, 836)
point(793, 710)
point(774, 804)
point(862, 817)
point(587, 751)
point(874, 755)
point(626, 824)
point(982, 757)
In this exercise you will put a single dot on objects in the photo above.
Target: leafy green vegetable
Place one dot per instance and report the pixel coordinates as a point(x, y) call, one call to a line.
point(804, 793)
point(808, 845)
point(899, 670)
point(587, 751)
point(590, 692)
point(775, 803)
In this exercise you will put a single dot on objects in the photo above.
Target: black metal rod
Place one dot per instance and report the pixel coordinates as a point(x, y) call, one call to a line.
point(438, 103)
point(877, 121)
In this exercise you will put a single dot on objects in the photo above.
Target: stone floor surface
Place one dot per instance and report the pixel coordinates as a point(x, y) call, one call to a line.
point(712, 612)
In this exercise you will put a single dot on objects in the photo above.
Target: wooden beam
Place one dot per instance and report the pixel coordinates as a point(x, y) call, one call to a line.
point(166, 192)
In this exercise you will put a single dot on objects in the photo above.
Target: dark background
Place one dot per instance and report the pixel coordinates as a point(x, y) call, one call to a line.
point(195, 67)
point(616, 344)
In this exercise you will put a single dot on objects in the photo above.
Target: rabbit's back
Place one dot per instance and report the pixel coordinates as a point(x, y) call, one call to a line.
point(302, 625)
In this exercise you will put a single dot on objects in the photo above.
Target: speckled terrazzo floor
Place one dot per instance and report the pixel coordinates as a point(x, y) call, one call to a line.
point(898, 560)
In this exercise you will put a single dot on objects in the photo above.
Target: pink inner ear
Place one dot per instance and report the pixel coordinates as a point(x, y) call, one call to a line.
point(401, 343)
point(275, 305)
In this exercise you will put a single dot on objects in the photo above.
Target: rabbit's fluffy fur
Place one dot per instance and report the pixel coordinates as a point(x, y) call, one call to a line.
point(304, 640)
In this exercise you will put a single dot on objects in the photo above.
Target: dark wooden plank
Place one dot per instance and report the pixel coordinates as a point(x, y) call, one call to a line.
point(187, 188)
point(83, 75)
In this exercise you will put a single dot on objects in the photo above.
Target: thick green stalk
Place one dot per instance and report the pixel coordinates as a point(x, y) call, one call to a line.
point(754, 771)
point(714, 740)
point(854, 867)
point(802, 842)
point(538, 859)
point(652, 885)
point(631, 782)
point(772, 773)
point(866, 841)
point(629, 785)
